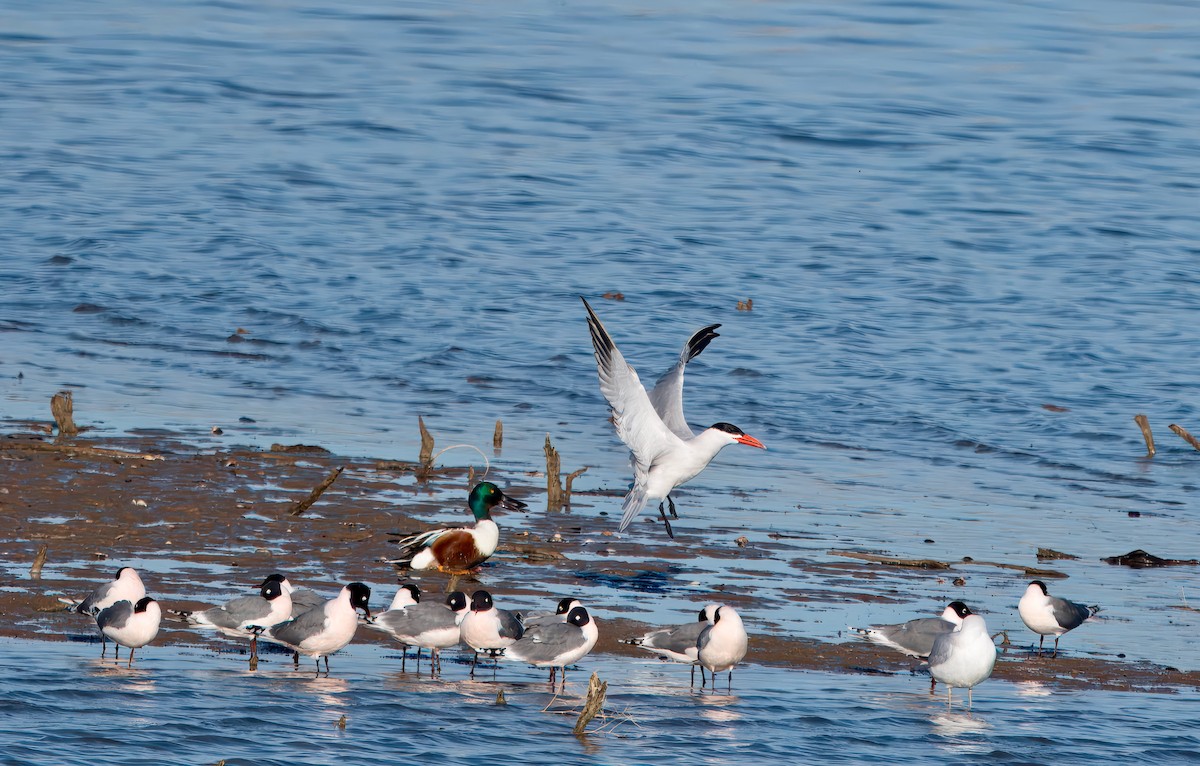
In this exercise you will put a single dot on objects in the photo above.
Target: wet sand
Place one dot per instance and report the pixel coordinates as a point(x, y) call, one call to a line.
point(97, 505)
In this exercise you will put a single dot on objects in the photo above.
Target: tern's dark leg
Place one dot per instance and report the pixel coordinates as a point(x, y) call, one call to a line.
point(671, 505)
point(661, 512)
point(327, 664)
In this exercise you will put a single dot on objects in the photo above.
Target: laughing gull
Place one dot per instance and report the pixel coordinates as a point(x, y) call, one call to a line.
point(678, 643)
point(129, 624)
point(303, 599)
point(325, 629)
point(559, 615)
point(270, 607)
point(459, 550)
point(556, 644)
point(664, 451)
point(915, 637)
point(963, 657)
point(425, 625)
point(721, 645)
point(126, 586)
point(1049, 615)
point(488, 629)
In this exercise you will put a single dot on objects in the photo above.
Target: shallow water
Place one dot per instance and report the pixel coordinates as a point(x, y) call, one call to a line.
point(948, 217)
point(74, 706)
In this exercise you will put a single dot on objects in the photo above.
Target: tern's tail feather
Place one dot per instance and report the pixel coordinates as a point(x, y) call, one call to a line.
point(635, 501)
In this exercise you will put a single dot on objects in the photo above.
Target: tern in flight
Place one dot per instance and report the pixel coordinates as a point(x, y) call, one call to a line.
point(665, 452)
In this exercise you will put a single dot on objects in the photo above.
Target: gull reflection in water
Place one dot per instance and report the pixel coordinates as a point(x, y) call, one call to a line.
point(960, 733)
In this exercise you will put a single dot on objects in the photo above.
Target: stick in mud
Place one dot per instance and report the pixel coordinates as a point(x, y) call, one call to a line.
point(554, 490)
point(571, 477)
point(1144, 424)
point(300, 506)
point(597, 690)
point(35, 571)
point(498, 437)
point(62, 407)
point(1183, 434)
point(425, 457)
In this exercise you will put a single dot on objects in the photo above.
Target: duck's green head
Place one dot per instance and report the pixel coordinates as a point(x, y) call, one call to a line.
point(487, 496)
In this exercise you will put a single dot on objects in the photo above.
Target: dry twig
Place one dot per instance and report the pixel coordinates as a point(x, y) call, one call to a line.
point(300, 506)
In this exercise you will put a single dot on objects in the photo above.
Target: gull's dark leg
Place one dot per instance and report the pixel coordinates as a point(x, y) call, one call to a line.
point(671, 505)
point(130, 664)
point(403, 657)
point(1055, 655)
point(296, 659)
point(327, 664)
point(474, 662)
point(663, 514)
point(693, 683)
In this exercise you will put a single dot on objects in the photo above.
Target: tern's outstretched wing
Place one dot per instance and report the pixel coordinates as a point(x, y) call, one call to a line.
point(637, 422)
point(667, 396)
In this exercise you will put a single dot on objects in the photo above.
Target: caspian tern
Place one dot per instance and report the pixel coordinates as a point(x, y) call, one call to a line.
point(664, 451)
point(1049, 615)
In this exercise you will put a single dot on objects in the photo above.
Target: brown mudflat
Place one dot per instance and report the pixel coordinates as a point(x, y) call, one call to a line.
point(214, 513)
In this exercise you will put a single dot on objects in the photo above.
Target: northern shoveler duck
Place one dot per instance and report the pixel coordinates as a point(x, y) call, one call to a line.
point(458, 550)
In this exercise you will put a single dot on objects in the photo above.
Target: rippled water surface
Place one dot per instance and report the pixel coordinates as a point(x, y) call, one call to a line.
point(969, 234)
point(109, 714)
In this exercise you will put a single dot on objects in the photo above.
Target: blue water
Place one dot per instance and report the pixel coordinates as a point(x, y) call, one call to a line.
point(104, 713)
point(948, 216)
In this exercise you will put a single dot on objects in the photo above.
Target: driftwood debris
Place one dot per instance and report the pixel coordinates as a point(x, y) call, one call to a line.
point(1029, 571)
point(532, 553)
point(554, 489)
point(425, 458)
point(498, 437)
point(1144, 424)
point(1049, 554)
point(300, 506)
point(571, 477)
point(1140, 559)
point(35, 571)
point(892, 561)
point(62, 407)
point(1182, 433)
point(75, 449)
point(596, 693)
